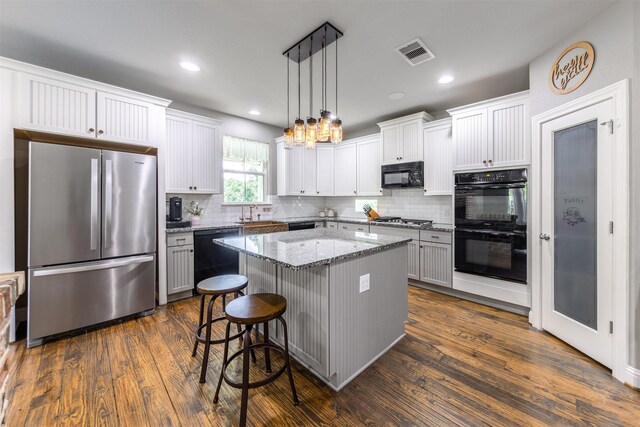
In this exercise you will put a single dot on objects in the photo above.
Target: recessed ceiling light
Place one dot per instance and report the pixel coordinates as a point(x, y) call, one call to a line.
point(396, 95)
point(254, 112)
point(447, 78)
point(189, 66)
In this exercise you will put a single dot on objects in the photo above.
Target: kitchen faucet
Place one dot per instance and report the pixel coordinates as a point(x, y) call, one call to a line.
point(250, 218)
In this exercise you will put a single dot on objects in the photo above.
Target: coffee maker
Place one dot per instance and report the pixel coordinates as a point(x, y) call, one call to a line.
point(175, 209)
point(174, 219)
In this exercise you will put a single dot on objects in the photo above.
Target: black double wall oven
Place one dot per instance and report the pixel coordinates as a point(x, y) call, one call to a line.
point(491, 224)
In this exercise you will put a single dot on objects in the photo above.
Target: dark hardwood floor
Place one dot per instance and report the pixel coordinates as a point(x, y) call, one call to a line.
point(460, 364)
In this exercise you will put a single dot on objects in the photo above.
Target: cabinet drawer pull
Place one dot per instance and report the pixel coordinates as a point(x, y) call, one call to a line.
point(435, 237)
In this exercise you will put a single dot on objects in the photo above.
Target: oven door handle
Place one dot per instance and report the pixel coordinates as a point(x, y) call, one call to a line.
point(491, 232)
point(491, 186)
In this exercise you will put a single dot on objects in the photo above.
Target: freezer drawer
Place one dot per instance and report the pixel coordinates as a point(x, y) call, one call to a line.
point(73, 296)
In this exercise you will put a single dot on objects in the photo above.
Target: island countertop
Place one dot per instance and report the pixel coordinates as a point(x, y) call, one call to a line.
point(299, 250)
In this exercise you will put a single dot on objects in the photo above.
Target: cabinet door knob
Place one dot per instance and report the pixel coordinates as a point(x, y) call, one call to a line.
point(490, 161)
point(354, 192)
point(484, 162)
point(195, 188)
point(91, 130)
point(100, 132)
point(190, 187)
point(191, 250)
point(317, 192)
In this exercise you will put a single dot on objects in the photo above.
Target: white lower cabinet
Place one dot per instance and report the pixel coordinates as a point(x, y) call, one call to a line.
point(179, 263)
point(413, 270)
point(332, 225)
point(346, 226)
point(435, 263)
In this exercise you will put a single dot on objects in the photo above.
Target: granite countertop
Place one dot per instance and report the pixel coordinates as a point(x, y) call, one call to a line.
point(223, 225)
point(299, 250)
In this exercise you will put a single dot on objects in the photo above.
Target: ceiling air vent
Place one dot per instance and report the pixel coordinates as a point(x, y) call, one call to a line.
point(415, 52)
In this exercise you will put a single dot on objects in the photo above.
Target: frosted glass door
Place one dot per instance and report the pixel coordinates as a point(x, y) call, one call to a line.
point(576, 245)
point(575, 219)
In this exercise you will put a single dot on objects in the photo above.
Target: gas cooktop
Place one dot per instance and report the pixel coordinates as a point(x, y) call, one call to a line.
point(398, 220)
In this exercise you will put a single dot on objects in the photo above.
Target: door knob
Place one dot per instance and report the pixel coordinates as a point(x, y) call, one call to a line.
point(545, 237)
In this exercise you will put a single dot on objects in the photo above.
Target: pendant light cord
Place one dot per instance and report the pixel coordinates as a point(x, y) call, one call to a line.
point(288, 102)
point(311, 78)
point(336, 77)
point(299, 81)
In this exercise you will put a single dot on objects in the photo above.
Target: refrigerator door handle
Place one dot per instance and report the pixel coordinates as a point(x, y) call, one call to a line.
point(95, 180)
point(102, 265)
point(108, 201)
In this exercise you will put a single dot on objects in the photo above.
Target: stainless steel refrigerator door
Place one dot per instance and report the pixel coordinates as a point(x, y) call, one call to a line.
point(128, 204)
point(64, 204)
point(73, 296)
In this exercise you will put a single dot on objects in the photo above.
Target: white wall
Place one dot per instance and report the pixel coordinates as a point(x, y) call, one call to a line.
point(614, 34)
point(6, 174)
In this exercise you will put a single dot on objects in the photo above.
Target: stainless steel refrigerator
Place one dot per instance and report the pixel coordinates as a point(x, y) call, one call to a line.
point(92, 237)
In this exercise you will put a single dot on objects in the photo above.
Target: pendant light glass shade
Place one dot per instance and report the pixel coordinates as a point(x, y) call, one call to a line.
point(324, 127)
point(336, 131)
point(288, 139)
point(298, 132)
point(312, 133)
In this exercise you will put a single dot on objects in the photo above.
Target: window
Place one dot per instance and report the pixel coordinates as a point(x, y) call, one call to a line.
point(245, 165)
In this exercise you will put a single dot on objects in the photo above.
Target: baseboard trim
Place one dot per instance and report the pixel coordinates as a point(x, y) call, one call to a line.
point(633, 378)
point(524, 311)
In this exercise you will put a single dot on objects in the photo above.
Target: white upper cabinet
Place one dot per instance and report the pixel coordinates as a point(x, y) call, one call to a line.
point(178, 156)
point(281, 168)
point(206, 157)
point(64, 107)
point(345, 166)
point(438, 158)
point(401, 138)
point(123, 119)
point(494, 133)
point(301, 172)
point(53, 106)
point(324, 170)
point(368, 166)
point(309, 172)
point(194, 157)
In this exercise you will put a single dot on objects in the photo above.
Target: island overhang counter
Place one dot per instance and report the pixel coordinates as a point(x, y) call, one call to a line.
point(347, 296)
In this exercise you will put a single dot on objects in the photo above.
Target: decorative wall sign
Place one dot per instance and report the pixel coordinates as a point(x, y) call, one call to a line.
point(571, 68)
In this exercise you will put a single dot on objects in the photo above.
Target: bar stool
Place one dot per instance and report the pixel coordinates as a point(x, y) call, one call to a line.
point(249, 311)
point(215, 287)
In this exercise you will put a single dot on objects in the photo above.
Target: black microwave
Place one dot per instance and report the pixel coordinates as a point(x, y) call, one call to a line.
point(403, 175)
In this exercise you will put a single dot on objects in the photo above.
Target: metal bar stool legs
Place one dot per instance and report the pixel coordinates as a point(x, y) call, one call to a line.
point(207, 343)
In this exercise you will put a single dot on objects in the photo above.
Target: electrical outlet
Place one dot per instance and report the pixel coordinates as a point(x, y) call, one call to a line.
point(364, 282)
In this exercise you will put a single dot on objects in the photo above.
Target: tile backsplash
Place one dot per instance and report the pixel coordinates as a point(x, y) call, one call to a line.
point(280, 207)
point(405, 203)
point(412, 204)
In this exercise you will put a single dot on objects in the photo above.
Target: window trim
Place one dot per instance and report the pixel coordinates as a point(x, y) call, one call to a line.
point(264, 174)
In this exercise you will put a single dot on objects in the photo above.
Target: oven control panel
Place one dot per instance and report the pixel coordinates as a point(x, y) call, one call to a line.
point(504, 176)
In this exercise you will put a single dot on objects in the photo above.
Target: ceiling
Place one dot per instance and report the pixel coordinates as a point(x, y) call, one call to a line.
point(487, 45)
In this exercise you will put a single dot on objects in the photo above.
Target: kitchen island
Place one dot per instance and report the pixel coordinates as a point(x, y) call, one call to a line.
point(346, 293)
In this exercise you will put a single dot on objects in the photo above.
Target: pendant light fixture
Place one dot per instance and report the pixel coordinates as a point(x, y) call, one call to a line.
point(324, 126)
point(336, 125)
point(288, 132)
point(298, 128)
point(324, 129)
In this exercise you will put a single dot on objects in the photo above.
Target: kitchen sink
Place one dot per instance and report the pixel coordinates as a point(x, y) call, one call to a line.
point(263, 227)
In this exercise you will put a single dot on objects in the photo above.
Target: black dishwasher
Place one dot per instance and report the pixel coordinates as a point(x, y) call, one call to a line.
point(301, 226)
point(212, 259)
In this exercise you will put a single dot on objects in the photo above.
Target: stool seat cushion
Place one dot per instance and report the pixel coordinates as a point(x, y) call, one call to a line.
point(255, 308)
point(224, 284)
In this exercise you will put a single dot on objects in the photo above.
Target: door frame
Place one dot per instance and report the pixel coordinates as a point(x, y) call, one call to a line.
point(618, 93)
